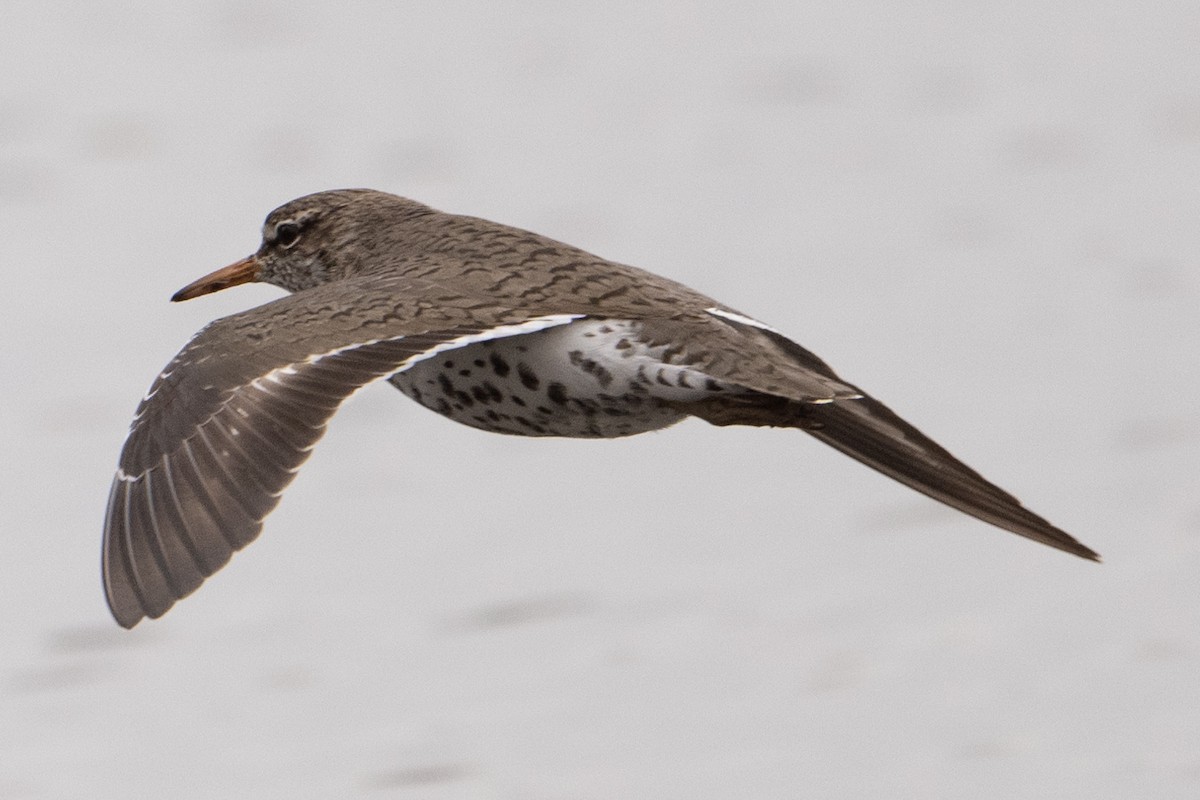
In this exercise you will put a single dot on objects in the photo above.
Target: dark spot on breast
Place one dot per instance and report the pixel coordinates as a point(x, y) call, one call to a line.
point(590, 408)
point(466, 373)
point(499, 365)
point(492, 392)
point(528, 379)
point(623, 344)
point(448, 364)
point(479, 362)
point(517, 400)
point(530, 425)
point(480, 394)
point(447, 386)
point(557, 393)
point(591, 367)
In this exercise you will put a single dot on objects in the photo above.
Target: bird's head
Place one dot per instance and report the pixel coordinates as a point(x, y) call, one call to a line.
point(315, 239)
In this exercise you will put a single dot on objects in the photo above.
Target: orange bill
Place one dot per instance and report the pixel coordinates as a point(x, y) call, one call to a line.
point(243, 271)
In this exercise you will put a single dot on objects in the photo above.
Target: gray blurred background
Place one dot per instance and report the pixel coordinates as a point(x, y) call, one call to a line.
point(985, 214)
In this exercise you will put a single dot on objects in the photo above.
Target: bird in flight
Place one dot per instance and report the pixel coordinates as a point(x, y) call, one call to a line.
point(492, 326)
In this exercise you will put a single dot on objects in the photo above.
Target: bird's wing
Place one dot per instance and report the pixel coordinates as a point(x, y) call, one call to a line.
point(857, 424)
point(734, 348)
point(229, 421)
point(870, 432)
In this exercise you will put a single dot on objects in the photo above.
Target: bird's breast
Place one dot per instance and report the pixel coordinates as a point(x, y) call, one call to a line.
point(587, 379)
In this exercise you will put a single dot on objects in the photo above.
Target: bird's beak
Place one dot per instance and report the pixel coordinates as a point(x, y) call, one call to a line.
point(242, 271)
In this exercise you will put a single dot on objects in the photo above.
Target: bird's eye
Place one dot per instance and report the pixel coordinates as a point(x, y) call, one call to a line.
point(287, 233)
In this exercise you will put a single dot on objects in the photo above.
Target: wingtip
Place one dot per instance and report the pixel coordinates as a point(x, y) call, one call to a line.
point(127, 615)
point(127, 612)
point(1068, 544)
point(128, 624)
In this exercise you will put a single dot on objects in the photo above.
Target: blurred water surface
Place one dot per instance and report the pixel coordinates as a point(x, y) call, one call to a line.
point(986, 215)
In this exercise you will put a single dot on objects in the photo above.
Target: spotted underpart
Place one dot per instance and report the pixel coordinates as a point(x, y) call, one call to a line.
point(590, 378)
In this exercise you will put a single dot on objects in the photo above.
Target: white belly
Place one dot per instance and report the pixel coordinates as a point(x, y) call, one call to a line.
point(591, 378)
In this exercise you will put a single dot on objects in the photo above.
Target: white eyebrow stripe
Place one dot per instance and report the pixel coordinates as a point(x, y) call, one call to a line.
point(742, 319)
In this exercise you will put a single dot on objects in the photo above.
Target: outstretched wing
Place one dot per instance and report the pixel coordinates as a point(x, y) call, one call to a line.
point(858, 425)
point(870, 432)
point(228, 423)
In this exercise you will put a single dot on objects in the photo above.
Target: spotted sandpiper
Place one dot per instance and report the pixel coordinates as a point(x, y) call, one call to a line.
point(492, 326)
